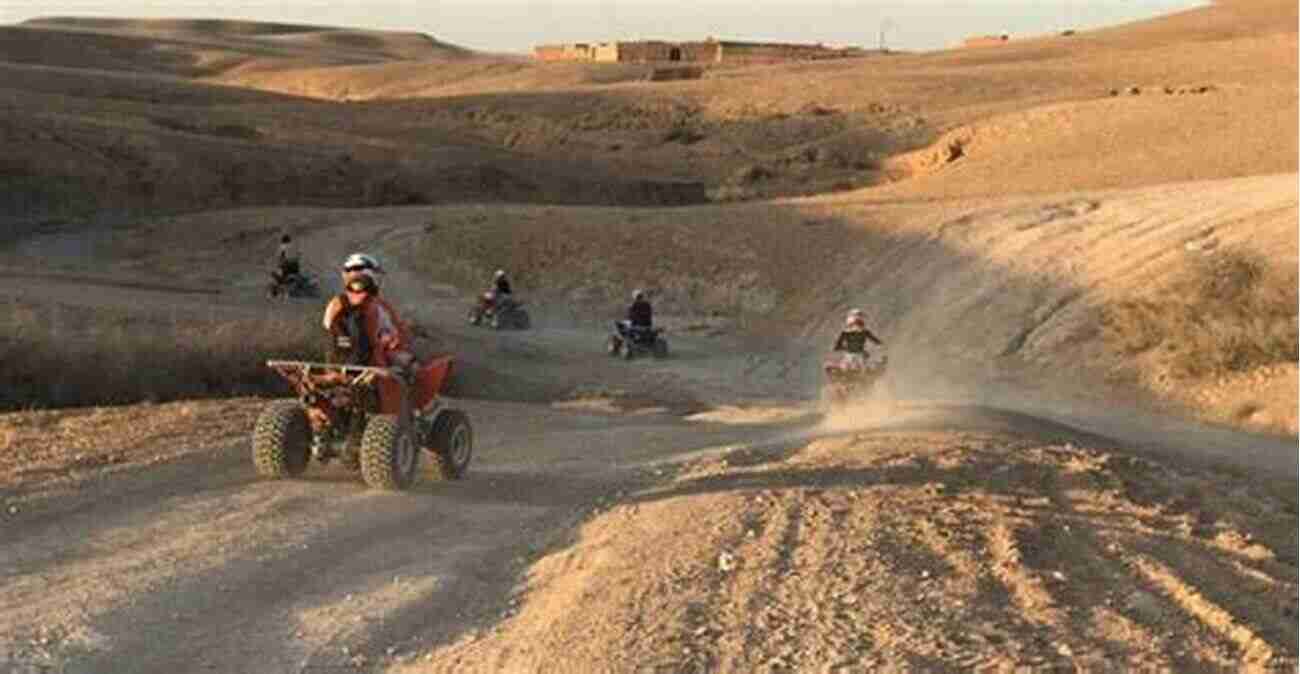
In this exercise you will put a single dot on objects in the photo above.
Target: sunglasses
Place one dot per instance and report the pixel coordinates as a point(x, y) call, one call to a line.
point(354, 268)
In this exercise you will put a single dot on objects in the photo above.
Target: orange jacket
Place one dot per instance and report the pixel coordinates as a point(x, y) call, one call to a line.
point(387, 332)
point(388, 336)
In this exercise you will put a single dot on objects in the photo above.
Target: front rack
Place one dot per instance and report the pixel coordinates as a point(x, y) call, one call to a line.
point(302, 371)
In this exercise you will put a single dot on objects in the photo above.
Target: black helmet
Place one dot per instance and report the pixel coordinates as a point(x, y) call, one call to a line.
point(285, 239)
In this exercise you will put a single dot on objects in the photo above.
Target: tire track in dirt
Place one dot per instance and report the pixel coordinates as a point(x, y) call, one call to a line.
point(929, 550)
point(1186, 597)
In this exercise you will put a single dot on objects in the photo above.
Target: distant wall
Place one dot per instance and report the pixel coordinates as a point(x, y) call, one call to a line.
point(563, 52)
point(607, 52)
point(706, 51)
point(651, 50)
point(772, 52)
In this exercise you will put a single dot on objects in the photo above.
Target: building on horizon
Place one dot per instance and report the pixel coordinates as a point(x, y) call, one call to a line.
point(709, 50)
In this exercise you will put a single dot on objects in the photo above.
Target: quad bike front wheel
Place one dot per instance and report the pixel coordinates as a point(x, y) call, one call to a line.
point(613, 346)
point(452, 445)
point(660, 349)
point(281, 441)
point(389, 456)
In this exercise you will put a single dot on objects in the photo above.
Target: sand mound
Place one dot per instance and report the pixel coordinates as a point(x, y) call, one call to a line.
point(928, 551)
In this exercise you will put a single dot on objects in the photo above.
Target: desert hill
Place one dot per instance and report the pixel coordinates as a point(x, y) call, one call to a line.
point(1036, 115)
point(1080, 252)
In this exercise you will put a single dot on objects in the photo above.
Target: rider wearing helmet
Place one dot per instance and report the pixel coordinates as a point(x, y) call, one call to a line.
point(286, 260)
point(365, 330)
point(853, 338)
point(640, 314)
point(501, 283)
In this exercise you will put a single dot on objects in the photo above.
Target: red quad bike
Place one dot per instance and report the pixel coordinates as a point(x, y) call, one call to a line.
point(851, 375)
point(335, 416)
point(505, 313)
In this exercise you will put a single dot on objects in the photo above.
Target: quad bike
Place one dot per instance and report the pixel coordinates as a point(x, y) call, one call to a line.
point(851, 375)
point(505, 313)
point(629, 341)
point(292, 285)
point(335, 416)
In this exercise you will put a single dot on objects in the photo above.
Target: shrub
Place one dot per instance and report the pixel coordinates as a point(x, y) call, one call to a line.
point(1230, 312)
point(57, 358)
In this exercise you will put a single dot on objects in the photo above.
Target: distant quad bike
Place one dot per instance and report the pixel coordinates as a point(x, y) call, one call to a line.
point(292, 286)
point(629, 342)
point(335, 416)
point(851, 376)
point(498, 314)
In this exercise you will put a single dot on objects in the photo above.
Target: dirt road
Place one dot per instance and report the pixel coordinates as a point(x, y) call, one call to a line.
point(196, 565)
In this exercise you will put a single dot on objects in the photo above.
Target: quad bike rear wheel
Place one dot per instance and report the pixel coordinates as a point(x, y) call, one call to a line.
point(452, 444)
point(281, 441)
point(389, 456)
point(660, 349)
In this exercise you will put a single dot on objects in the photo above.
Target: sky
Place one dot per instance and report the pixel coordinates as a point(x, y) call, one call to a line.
point(517, 25)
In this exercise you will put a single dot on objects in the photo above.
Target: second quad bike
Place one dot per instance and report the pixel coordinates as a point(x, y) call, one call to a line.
point(292, 286)
point(336, 417)
point(851, 376)
point(499, 312)
point(629, 341)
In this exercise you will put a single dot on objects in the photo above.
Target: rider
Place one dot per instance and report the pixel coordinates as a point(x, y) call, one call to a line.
point(365, 330)
point(853, 339)
point(499, 296)
point(286, 260)
point(501, 283)
point(640, 315)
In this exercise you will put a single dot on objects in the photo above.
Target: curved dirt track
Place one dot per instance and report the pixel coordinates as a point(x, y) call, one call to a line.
point(196, 565)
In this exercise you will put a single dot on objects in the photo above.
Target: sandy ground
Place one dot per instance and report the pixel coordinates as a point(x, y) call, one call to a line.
point(903, 548)
point(1014, 497)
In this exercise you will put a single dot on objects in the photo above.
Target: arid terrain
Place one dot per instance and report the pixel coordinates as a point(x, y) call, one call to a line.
point(1081, 252)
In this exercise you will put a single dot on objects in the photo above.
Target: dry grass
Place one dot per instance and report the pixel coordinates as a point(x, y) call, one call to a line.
point(55, 357)
point(744, 263)
point(1230, 312)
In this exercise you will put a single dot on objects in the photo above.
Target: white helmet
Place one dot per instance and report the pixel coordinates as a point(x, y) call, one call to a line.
point(500, 274)
point(362, 262)
point(855, 317)
point(638, 294)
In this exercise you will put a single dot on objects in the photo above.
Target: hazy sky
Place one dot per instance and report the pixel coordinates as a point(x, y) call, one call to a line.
point(516, 25)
